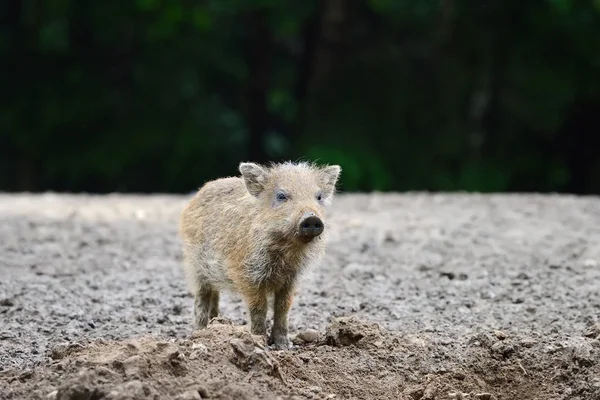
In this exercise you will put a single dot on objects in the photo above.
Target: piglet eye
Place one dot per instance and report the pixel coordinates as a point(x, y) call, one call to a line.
point(319, 197)
point(281, 196)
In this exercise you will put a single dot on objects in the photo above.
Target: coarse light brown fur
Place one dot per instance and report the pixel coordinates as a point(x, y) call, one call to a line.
point(244, 234)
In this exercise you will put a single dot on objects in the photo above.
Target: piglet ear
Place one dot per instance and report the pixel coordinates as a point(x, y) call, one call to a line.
point(255, 177)
point(330, 175)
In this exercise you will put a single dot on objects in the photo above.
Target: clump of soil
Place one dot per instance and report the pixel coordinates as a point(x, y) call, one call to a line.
point(353, 358)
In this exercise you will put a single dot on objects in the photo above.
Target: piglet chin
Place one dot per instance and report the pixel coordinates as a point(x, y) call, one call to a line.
point(306, 239)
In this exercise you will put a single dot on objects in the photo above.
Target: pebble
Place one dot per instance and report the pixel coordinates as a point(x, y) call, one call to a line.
point(308, 336)
point(6, 303)
point(528, 342)
point(590, 263)
point(502, 348)
point(592, 331)
point(189, 395)
point(500, 335)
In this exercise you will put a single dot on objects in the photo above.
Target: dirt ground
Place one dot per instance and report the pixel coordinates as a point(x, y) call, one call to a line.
point(419, 297)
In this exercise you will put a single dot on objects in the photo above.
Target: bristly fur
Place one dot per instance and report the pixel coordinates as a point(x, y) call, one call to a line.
point(237, 236)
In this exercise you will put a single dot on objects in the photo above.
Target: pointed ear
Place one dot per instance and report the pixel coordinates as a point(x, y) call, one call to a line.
point(255, 177)
point(330, 175)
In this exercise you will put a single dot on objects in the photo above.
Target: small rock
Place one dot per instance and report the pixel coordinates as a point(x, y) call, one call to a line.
point(307, 336)
point(203, 392)
point(6, 335)
point(503, 348)
point(389, 238)
point(175, 356)
point(192, 391)
point(518, 300)
point(500, 335)
point(177, 309)
point(198, 349)
point(483, 396)
point(25, 375)
point(343, 334)
point(6, 303)
point(52, 395)
point(459, 375)
point(248, 355)
point(449, 275)
point(528, 342)
point(162, 345)
point(590, 263)
point(487, 295)
point(583, 356)
point(415, 392)
point(189, 395)
point(242, 348)
point(523, 276)
point(592, 331)
point(199, 346)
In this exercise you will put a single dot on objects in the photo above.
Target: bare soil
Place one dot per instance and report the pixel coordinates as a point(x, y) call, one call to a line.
point(420, 296)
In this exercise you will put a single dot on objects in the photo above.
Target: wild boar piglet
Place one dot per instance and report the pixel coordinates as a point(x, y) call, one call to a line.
point(255, 234)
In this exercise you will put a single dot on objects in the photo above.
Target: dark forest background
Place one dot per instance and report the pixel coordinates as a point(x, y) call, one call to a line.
point(161, 95)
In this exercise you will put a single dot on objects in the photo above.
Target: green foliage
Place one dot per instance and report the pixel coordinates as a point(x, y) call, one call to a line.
point(405, 95)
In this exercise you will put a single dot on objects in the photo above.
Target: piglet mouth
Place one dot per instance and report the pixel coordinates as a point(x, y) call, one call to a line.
point(306, 239)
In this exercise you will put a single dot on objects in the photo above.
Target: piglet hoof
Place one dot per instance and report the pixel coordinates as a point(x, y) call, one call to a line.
point(200, 322)
point(280, 342)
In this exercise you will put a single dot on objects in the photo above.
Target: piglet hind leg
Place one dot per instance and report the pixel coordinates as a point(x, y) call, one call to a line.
point(204, 305)
point(213, 311)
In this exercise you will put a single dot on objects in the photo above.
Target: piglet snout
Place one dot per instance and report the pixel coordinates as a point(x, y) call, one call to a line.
point(311, 226)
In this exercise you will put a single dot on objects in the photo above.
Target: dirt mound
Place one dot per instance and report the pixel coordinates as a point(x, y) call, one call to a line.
point(353, 358)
